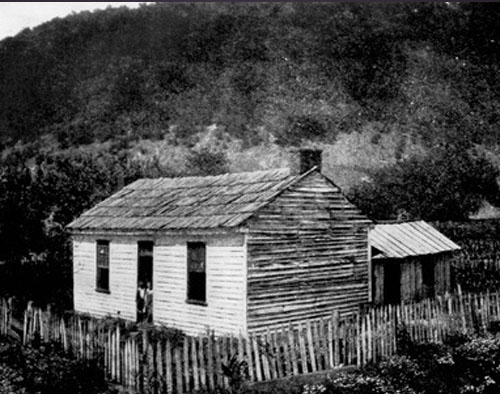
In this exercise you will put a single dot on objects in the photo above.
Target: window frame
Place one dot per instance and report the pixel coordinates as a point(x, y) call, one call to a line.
point(100, 266)
point(191, 249)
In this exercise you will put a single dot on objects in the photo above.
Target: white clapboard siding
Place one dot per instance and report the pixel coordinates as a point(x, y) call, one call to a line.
point(122, 278)
point(226, 289)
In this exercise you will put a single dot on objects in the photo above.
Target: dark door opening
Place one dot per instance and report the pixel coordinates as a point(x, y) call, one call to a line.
point(392, 283)
point(428, 278)
point(144, 297)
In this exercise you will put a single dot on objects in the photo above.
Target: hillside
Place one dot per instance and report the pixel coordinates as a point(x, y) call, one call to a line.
point(404, 99)
point(419, 73)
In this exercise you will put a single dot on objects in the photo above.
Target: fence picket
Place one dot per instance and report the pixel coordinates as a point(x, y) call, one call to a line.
point(278, 356)
point(185, 363)
point(303, 354)
point(248, 347)
point(293, 350)
point(203, 362)
point(258, 370)
point(265, 358)
point(168, 367)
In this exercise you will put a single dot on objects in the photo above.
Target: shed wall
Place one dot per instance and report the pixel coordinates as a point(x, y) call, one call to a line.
point(411, 279)
point(307, 255)
point(412, 287)
point(442, 273)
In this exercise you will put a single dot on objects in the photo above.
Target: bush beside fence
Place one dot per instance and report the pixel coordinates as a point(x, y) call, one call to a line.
point(144, 361)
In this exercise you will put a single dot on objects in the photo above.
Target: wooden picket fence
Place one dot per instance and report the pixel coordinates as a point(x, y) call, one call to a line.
point(147, 363)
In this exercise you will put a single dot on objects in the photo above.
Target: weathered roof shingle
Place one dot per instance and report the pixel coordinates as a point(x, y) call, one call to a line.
point(185, 203)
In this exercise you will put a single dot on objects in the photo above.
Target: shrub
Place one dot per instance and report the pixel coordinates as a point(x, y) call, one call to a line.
point(357, 383)
point(45, 370)
point(478, 363)
point(10, 381)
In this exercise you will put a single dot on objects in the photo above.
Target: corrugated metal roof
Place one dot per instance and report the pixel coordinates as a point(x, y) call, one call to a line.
point(190, 202)
point(401, 240)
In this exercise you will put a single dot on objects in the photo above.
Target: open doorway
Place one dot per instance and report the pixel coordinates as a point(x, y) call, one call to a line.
point(392, 283)
point(144, 299)
point(428, 278)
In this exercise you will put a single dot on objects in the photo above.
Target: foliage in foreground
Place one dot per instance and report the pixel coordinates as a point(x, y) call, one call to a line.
point(46, 370)
point(460, 366)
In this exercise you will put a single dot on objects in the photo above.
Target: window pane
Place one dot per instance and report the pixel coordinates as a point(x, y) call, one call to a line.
point(196, 256)
point(103, 278)
point(102, 253)
point(197, 286)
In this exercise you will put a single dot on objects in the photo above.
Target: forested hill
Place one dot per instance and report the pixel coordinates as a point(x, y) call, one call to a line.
point(404, 99)
point(380, 86)
point(428, 70)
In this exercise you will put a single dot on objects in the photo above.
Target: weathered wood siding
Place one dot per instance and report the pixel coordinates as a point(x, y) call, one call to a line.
point(378, 281)
point(226, 285)
point(411, 279)
point(442, 273)
point(122, 277)
point(307, 255)
point(412, 288)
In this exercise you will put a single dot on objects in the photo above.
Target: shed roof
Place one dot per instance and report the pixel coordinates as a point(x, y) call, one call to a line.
point(186, 203)
point(401, 240)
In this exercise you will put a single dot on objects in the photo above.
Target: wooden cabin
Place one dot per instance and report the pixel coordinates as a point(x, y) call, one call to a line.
point(410, 261)
point(229, 253)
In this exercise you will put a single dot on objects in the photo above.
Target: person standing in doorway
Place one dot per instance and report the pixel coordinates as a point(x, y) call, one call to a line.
point(140, 301)
point(148, 303)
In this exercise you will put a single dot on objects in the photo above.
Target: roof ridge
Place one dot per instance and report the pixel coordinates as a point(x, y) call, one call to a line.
point(281, 169)
point(396, 222)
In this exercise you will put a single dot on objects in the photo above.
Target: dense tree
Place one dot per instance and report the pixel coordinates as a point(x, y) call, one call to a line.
point(446, 184)
point(95, 76)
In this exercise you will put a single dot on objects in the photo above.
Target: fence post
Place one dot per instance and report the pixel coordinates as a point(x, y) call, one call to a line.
point(359, 339)
point(462, 309)
point(26, 324)
point(336, 338)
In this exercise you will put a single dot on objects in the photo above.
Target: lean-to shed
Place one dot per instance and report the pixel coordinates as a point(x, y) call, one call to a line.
point(410, 261)
point(231, 253)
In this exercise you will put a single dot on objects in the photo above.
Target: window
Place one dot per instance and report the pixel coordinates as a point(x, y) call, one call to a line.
point(196, 277)
point(102, 273)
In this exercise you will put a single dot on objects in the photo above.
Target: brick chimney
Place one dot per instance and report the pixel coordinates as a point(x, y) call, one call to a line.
point(302, 160)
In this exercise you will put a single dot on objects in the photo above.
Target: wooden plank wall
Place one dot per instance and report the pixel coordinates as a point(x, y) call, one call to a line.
point(442, 273)
point(378, 281)
point(411, 279)
point(411, 276)
point(307, 255)
point(143, 363)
